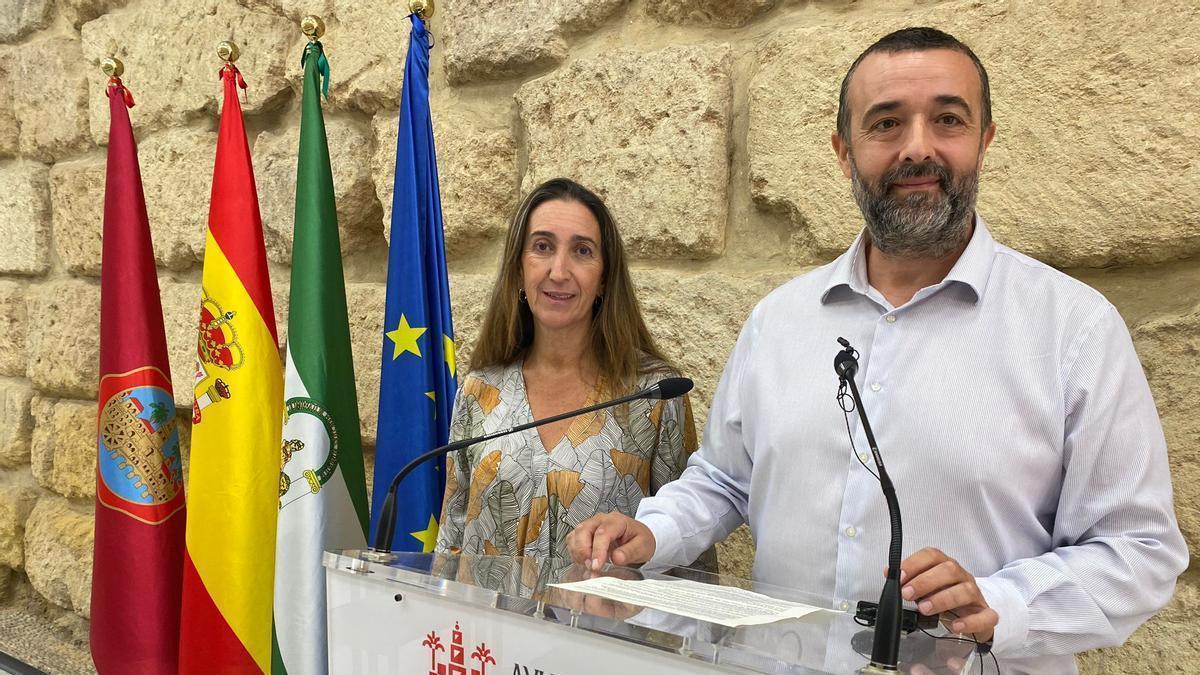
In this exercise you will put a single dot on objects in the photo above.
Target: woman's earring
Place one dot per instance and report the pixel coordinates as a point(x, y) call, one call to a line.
point(599, 299)
point(521, 296)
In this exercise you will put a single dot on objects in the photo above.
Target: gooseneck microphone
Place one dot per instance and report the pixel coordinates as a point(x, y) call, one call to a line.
point(885, 650)
point(666, 388)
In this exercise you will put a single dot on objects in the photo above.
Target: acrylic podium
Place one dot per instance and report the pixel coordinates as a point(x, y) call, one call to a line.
point(475, 615)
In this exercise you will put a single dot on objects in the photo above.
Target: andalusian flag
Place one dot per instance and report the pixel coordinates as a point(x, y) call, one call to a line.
point(322, 490)
point(417, 384)
point(233, 486)
point(138, 556)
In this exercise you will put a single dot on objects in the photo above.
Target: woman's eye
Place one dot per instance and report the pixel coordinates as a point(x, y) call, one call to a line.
point(584, 251)
point(541, 246)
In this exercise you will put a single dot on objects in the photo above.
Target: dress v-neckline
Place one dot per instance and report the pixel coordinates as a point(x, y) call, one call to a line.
point(537, 436)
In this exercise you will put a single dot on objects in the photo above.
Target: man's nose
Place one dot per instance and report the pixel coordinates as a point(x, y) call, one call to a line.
point(918, 143)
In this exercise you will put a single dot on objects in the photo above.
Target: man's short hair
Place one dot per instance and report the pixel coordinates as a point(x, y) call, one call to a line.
point(912, 40)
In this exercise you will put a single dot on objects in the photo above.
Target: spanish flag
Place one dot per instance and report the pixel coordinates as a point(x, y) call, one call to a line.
point(233, 485)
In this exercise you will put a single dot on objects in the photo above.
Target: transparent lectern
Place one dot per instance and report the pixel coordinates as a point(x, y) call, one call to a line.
point(474, 615)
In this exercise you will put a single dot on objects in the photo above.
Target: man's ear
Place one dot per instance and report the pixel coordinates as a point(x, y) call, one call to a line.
point(842, 149)
point(985, 143)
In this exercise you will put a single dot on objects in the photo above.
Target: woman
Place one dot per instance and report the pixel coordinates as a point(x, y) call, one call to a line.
point(563, 330)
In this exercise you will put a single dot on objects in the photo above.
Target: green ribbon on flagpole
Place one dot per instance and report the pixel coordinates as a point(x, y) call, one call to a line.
point(322, 65)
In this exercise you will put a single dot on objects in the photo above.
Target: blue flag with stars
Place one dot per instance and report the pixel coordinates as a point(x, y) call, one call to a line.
point(417, 379)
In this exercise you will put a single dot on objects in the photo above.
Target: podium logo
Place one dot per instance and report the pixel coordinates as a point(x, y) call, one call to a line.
point(457, 664)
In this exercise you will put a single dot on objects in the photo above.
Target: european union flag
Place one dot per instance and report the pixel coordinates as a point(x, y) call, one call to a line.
point(417, 381)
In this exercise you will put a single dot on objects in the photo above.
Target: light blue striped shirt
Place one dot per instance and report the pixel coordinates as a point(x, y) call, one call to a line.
point(1013, 416)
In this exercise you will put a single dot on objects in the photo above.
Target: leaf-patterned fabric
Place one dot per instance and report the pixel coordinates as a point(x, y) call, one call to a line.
point(512, 496)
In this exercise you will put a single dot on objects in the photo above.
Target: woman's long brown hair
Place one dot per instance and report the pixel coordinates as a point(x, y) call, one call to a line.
point(620, 339)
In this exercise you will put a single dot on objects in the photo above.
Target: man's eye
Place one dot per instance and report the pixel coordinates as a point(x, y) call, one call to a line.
point(950, 120)
point(884, 125)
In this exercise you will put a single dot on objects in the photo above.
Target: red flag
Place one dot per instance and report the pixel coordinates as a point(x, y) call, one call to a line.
point(137, 566)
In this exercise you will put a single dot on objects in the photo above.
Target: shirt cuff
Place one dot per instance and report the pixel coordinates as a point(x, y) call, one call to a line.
point(668, 543)
point(1003, 597)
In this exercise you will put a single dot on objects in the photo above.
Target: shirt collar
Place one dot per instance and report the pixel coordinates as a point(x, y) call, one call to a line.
point(972, 269)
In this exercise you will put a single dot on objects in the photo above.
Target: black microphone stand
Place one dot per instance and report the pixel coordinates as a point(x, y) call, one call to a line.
point(381, 547)
point(885, 650)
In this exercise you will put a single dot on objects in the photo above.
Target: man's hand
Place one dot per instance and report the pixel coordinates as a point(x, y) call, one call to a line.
point(614, 535)
point(938, 584)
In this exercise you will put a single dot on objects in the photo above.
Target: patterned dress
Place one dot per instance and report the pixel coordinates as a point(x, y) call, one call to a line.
point(512, 496)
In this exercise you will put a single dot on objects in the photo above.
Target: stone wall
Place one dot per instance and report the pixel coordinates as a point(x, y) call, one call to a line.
point(704, 122)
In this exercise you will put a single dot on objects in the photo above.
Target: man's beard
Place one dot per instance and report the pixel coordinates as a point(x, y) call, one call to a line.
point(919, 224)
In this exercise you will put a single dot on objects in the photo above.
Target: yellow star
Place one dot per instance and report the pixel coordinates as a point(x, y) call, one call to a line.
point(432, 395)
point(427, 536)
point(448, 348)
point(404, 338)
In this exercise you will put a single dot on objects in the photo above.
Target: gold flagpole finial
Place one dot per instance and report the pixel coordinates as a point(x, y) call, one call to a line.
point(112, 67)
point(228, 52)
point(422, 8)
point(313, 27)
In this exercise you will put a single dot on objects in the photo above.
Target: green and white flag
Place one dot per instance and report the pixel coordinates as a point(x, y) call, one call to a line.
point(322, 487)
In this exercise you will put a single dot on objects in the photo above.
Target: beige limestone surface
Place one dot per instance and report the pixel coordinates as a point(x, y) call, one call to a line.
point(706, 126)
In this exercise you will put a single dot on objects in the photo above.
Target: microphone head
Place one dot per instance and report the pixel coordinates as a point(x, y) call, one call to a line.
point(670, 387)
point(844, 364)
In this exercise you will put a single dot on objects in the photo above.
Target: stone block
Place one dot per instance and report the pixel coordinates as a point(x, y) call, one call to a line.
point(16, 501)
point(717, 13)
point(365, 303)
point(171, 65)
point(16, 423)
point(64, 339)
point(10, 128)
point(24, 218)
point(77, 203)
point(79, 12)
point(181, 316)
point(21, 17)
point(12, 328)
point(1169, 348)
point(486, 40)
point(58, 553)
point(366, 43)
point(477, 174)
point(650, 132)
point(696, 318)
point(50, 97)
point(63, 451)
point(1059, 76)
point(358, 211)
point(177, 169)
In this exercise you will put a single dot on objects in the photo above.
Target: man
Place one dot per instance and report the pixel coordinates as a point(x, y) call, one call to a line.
point(1006, 398)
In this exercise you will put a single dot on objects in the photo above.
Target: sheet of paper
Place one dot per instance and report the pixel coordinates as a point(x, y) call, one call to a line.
point(724, 605)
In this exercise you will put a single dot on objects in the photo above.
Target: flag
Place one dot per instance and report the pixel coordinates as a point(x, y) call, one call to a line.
point(229, 564)
point(322, 487)
point(417, 379)
point(138, 555)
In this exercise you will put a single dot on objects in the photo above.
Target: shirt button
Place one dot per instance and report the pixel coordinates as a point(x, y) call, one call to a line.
point(850, 531)
point(875, 386)
point(862, 457)
point(844, 606)
point(891, 318)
